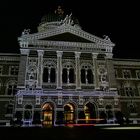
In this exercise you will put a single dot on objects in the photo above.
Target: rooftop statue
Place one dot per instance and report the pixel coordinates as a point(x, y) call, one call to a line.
point(106, 38)
point(68, 20)
point(26, 31)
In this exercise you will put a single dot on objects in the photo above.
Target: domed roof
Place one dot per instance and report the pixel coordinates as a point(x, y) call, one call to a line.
point(52, 17)
point(57, 15)
point(55, 19)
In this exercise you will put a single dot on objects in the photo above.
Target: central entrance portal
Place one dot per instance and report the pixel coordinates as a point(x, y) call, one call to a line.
point(47, 114)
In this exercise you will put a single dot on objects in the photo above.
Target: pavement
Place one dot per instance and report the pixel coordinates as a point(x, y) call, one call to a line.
point(73, 133)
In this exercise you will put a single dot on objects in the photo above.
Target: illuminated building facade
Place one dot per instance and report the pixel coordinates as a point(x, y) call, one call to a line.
point(65, 75)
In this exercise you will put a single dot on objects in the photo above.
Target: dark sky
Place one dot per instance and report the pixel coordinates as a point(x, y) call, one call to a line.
point(119, 20)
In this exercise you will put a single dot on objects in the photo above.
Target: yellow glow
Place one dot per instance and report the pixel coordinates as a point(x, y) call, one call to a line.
point(47, 114)
point(69, 114)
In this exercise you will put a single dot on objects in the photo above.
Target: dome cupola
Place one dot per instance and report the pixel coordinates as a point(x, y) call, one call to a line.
point(55, 19)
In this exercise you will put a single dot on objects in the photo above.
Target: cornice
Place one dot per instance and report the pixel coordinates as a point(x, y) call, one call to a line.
point(68, 46)
point(124, 62)
point(9, 58)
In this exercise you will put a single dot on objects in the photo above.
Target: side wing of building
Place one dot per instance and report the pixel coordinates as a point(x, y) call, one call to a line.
point(127, 73)
point(9, 68)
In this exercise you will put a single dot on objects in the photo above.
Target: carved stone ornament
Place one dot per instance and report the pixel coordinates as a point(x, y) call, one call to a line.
point(26, 31)
point(68, 20)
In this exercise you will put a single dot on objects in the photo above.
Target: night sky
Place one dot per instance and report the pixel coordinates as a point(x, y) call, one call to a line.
point(119, 20)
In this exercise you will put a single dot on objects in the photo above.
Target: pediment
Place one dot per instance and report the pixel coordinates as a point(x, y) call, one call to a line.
point(67, 33)
point(68, 37)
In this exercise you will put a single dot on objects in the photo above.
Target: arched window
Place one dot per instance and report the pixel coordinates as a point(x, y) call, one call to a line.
point(71, 75)
point(68, 75)
point(49, 73)
point(11, 87)
point(87, 74)
point(52, 75)
point(45, 75)
point(90, 76)
point(83, 76)
point(64, 76)
point(132, 108)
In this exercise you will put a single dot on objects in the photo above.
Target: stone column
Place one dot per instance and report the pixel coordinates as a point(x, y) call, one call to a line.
point(49, 72)
point(94, 57)
point(77, 70)
point(22, 68)
point(59, 69)
point(40, 68)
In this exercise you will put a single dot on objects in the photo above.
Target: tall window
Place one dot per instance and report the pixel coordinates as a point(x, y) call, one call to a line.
point(129, 91)
point(87, 74)
point(52, 75)
point(45, 75)
point(138, 74)
point(83, 76)
point(14, 70)
point(64, 75)
point(0, 70)
point(132, 108)
point(11, 88)
point(68, 75)
point(71, 75)
point(126, 74)
point(121, 91)
point(49, 73)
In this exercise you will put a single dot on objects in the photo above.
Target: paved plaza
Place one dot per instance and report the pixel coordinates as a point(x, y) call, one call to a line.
point(70, 133)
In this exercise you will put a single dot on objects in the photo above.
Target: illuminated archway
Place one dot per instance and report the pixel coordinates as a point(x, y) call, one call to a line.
point(90, 113)
point(47, 114)
point(69, 113)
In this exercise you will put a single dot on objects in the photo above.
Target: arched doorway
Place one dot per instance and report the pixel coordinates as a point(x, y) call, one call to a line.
point(109, 112)
point(28, 112)
point(36, 117)
point(28, 115)
point(69, 113)
point(48, 114)
point(18, 118)
point(90, 113)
